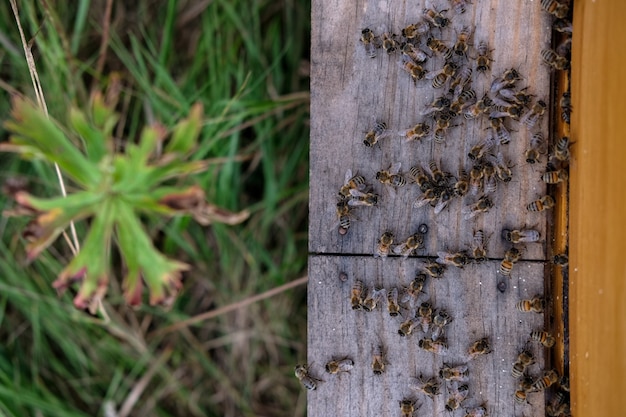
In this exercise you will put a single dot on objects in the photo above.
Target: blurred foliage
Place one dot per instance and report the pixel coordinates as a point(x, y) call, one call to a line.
point(246, 63)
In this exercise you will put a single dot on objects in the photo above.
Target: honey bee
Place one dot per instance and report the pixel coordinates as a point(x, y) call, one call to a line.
point(434, 269)
point(479, 242)
point(336, 366)
point(430, 196)
point(439, 47)
point(425, 316)
point(343, 214)
point(378, 360)
point(465, 99)
point(524, 360)
point(356, 295)
point(482, 148)
point(441, 129)
point(413, 243)
point(417, 132)
point(544, 203)
point(362, 199)
point(479, 347)
point(503, 168)
point(356, 182)
point(558, 405)
point(407, 408)
point(303, 375)
point(479, 411)
point(440, 178)
point(499, 129)
point(554, 7)
point(521, 236)
point(461, 186)
point(391, 176)
point(561, 149)
point(459, 5)
point(458, 259)
point(458, 394)
point(489, 173)
point(520, 396)
point(421, 178)
point(554, 177)
point(481, 206)
point(461, 45)
point(523, 387)
point(392, 302)
point(476, 178)
point(543, 337)
point(436, 17)
point(560, 259)
point(416, 71)
point(534, 114)
point(563, 26)
point(483, 61)
point(534, 305)
point(438, 347)
point(458, 86)
point(389, 42)
point(511, 257)
point(441, 77)
point(415, 54)
point(429, 387)
point(506, 80)
point(554, 60)
point(514, 111)
point(373, 297)
point(377, 133)
point(458, 373)
point(370, 42)
point(384, 244)
point(440, 320)
point(415, 288)
point(566, 106)
point(407, 326)
point(535, 149)
point(483, 106)
point(564, 383)
point(548, 379)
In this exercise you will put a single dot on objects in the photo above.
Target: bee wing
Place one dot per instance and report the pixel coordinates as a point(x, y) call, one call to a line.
point(441, 204)
point(432, 75)
point(398, 249)
point(421, 201)
point(496, 114)
point(469, 211)
point(395, 168)
point(348, 176)
point(442, 255)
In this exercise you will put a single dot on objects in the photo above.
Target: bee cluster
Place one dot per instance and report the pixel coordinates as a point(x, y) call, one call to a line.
point(439, 55)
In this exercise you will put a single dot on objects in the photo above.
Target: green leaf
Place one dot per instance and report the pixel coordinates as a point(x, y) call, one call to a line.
point(97, 144)
point(36, 130)
point(185, 135)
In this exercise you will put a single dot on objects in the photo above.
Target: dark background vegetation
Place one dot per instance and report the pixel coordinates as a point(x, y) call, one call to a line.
point(247, 61)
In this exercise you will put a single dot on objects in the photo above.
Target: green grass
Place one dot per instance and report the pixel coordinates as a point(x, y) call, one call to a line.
point(243, 60)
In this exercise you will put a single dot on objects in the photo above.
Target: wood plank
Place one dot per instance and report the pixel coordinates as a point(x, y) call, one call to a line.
point(351, 90)
point(596, 268)
point(478, 310)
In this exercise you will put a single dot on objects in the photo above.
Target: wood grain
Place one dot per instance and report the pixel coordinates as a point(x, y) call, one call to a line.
point(596, 268)
point(349, 92)
point(478, 310)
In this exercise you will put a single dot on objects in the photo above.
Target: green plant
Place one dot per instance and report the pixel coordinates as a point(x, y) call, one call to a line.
point(114, 189)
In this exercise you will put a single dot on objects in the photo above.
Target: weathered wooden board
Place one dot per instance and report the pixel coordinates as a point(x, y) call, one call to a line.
point(477, 308)
point(350, 91)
